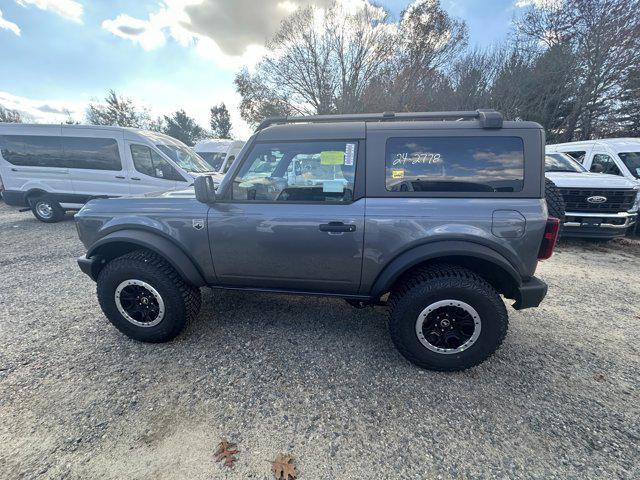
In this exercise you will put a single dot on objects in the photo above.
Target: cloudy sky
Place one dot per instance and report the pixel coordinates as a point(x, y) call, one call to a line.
point(165, 54)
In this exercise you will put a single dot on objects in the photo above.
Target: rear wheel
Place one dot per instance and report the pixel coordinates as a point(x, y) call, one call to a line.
point(145, 298)
point(46, 209)
point(446, 318)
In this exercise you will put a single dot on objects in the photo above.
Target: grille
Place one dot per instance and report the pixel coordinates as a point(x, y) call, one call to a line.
point(617, 200)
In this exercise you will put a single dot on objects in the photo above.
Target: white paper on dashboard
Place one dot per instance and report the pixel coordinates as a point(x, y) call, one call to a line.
point(333, 186)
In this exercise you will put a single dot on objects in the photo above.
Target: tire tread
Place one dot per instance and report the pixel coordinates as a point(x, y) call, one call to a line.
point(189, 295)
point(440, 276)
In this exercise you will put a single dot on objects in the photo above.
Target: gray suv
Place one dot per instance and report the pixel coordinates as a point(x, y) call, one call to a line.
point(434, 215)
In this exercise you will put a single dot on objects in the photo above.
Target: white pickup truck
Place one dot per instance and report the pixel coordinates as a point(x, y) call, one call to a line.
point(597, 205)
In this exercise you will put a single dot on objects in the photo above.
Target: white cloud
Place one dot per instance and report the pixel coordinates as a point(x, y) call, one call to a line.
point(147, 33)
point(231, 31)
point(160, 99)
point(42, 111)
point(7, 25)
point(69, 9)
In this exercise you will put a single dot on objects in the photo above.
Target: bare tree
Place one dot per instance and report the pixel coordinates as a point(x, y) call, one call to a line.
point(430, 40)
point(627, 115)
point(604, 37)
point(318, 63)
point(258, 99)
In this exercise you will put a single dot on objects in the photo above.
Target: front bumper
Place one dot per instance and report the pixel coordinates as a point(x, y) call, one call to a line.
point(530, 293)
point(89, 266)
point(597, 225)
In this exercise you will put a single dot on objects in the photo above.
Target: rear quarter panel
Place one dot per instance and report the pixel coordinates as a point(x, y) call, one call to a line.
point(396, 225)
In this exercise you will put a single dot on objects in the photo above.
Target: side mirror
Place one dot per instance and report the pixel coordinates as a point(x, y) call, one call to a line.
point(205, 189)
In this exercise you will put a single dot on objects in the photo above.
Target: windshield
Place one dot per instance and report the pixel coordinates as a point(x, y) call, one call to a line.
point(184, 157)
point(559, 162)
point(214, 159)
point(632, 161)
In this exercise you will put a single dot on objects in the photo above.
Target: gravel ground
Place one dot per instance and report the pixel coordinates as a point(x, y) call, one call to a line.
point(312, 377)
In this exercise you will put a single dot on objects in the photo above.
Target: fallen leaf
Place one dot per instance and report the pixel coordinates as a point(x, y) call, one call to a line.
point(599, 377)
point(283, 468)
point(226, 451)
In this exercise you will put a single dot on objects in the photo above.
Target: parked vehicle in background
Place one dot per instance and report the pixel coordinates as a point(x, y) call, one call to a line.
point(615, 156)
point(597, 205)
point(219, 154)
point(435, 219)
point(54, 168)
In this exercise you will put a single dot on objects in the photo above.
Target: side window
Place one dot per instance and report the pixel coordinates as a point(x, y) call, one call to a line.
point(460, 164)
point(229, 161)
point(149, 162)
point(213, 159)
point(91, 153)
point(577, 155)
point(32, 150)
point(298, 172)
point(602, 163)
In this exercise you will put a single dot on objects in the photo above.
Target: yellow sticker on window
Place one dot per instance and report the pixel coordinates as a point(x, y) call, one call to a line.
point(331, 158)
point(397, 173)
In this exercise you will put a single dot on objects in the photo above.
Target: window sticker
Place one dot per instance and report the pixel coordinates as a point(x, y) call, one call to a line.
point(333, 186)
point(331, 158)
point(397, 174)
point(349, 154)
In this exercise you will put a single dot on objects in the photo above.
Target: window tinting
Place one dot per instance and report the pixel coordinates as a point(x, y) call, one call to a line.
point(65, 152)
point(602, 163)
point(149, 162)
point(213, 159)
point(298, 172)
point(559, 162)
point(32, 150)
point(455, 164)
point(632, 161)
point(91, 153)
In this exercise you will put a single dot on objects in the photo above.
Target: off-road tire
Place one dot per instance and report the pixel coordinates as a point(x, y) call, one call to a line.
point(555, 201)
point(57, 212)
point(182, 301)
point(442, 282)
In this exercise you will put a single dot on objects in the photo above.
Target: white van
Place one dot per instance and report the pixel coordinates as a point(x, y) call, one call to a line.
point(615, 156)
point(54, 168)
point(219, 153)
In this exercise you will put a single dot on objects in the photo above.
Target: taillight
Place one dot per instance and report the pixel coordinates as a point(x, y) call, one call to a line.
point(549, 238)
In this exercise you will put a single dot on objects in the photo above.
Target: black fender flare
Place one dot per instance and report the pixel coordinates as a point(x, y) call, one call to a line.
point(439, 249)
point(167, 249)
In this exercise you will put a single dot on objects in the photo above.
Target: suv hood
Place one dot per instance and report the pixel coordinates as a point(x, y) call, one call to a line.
point(188, 192)
point(589, 180)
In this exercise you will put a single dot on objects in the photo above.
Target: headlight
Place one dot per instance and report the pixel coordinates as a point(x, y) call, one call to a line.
point(636, 206)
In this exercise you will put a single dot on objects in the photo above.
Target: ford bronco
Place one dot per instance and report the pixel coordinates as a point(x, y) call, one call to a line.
point(435, 215)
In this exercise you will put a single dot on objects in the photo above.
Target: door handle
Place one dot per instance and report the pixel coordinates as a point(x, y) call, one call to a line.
point(135, 178)
point(120, 177)
point(334, 227)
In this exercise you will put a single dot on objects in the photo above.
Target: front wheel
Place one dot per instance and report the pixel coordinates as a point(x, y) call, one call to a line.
point(446, 318)
point(145, 298)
